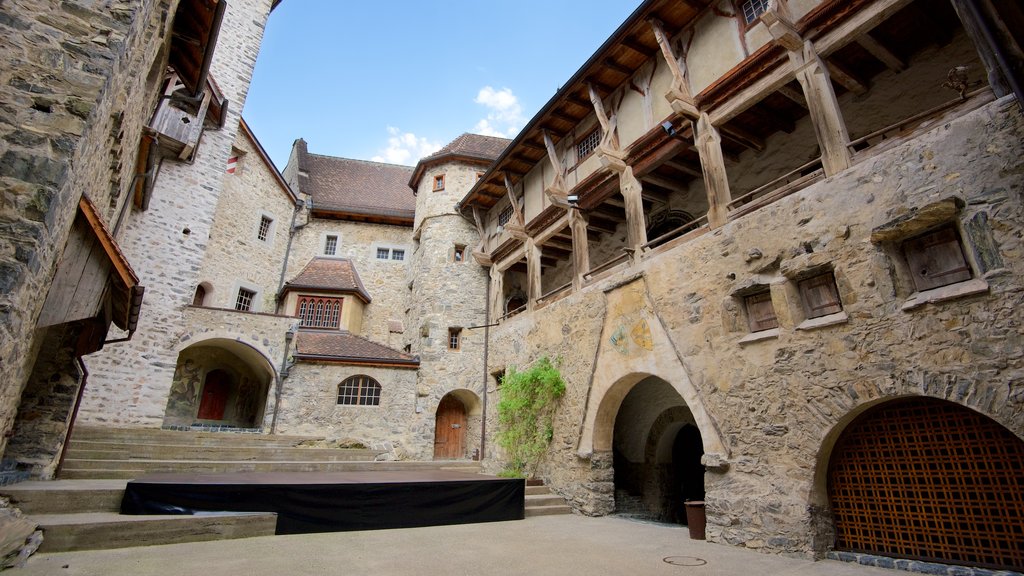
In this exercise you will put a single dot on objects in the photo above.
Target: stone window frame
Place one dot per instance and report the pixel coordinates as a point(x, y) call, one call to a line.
point(322, 252)
point(455, 340)
point(359, 390)
point(271, 228)
point(805, 267)
point(255, 297)
point(438, 182)
point(460, 253)
point(760, 284)
point(390, 251)
point(973, 234)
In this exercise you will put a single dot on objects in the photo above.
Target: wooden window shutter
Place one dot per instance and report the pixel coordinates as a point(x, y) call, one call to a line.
point(820, 295)
point(936, 259)
point(760, 312)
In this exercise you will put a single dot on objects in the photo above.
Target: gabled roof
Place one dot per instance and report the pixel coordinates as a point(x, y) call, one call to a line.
point(356, 189)
point(347, 348)
point(267, 161)
point(336, 275)
point(474, 148)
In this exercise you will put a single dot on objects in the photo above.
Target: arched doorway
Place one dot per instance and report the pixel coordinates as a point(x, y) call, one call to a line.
point(929, 479)
point(449, 429)
point(219, 381)
point(656, 451)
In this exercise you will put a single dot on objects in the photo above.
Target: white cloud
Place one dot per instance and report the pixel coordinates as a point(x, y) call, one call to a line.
point(405, 148)
point(504, 116)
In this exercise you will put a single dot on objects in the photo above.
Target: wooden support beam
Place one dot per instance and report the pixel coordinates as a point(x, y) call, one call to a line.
point(846, 78)
point(716, 180)
point(563, 116)
point(580, 247)
point(574, 99)
point(533, 270)
point(858, 24)
point(510, 190)
point(882, 53)
point(824, 109)
point(497, 303)
point(678, 95)
point(632, 194)
point(557, 192)
point(533, 145)
point(602, 88)
point(637, 47)
point(752, 94)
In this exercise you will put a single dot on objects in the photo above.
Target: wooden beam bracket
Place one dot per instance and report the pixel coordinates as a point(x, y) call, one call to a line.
point(678, 95)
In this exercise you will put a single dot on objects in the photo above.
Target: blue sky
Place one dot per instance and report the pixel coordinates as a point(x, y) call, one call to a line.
point(394, 80)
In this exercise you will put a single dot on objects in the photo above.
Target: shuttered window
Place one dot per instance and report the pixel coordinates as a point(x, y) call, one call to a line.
point(936, 259)
point(820, 295)
point(760, 312)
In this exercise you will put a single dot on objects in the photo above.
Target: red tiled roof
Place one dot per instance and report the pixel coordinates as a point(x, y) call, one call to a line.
point(348, 348)
point(358, 188)
point(469, 147)
point(329, 275)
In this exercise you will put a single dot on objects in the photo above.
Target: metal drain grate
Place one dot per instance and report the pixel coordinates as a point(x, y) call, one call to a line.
point(684, 561)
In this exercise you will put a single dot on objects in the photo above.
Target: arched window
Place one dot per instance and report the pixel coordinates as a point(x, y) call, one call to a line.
point(359, 391)
point(319, 311)
point(200, 297)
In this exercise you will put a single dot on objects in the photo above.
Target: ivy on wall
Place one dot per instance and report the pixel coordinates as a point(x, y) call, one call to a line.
point(526, 414)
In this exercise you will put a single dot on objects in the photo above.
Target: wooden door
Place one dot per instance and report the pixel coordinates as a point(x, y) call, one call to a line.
point(928, 479)
point(449, 429)
point(215, 395)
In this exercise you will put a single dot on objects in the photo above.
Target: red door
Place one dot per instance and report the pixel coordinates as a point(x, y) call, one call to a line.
point(215, 396)
point(449, 429)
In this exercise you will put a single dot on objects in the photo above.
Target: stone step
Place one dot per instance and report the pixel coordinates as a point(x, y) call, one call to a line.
point(537, 500)
point(103, 530)
point(536, 490)
point(547, 510)
point(92, 450)
point(66, 496)
point(196, 438)
point(83, 469)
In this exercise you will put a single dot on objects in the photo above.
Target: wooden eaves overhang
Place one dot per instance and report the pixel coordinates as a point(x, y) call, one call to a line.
point(617, 60)
point(361, 214)
point(196, 27)
point(359, 361)
point(426, 163)
point(319, 289)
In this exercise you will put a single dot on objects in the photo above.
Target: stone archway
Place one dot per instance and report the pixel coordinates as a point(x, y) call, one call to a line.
point(652, 456)
point(219, 382)
point(922, 478)
point(457, 425)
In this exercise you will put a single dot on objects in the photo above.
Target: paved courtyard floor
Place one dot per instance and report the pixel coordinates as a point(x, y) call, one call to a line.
point(562, 545)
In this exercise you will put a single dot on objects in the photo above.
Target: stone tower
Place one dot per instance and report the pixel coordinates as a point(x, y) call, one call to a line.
point(444, 324)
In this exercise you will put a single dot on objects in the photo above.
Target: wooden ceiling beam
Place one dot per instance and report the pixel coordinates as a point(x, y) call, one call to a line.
point(846, 78)
point(778, 120)
point(612, 64)
point(533, 145)
point(742, 137)
point(796, 96)
point(601, 224)
point(686, 168)
point(604, 89)
point(637, 47)
point(882, 53)
point(563, 116)
point(666, 183)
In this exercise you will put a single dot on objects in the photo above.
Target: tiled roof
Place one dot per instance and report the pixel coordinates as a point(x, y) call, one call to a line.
point(473, 147)
point(329, 275)
point(358, 187)
point(347, 347)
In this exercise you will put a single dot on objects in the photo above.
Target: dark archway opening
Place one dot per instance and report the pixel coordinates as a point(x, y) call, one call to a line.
point(657, 450)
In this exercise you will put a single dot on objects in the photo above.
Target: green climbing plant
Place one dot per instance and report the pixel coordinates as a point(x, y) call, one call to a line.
point(526, 414)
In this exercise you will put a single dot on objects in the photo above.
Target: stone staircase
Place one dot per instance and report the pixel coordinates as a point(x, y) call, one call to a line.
point(80, 510)
point(540, 501)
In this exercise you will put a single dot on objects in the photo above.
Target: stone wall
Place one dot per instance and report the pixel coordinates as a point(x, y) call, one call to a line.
point(235, 256)
point(776, 406)
point(80, 80)
point(385, 280)
point(130, 380)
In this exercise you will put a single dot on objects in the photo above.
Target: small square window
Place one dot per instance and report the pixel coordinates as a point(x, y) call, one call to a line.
point(505, 215)
point(454, 338)
point(820, 295)
point(383, 253)
point(245, 299)
point(331, 245)
point(398, 254)
point(936, 259)
point(438, 182)
point(459, 254)
point(264, 231)
point(760, 312)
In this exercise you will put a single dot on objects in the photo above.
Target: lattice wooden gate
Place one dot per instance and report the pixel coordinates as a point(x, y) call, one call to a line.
point(931, 480)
